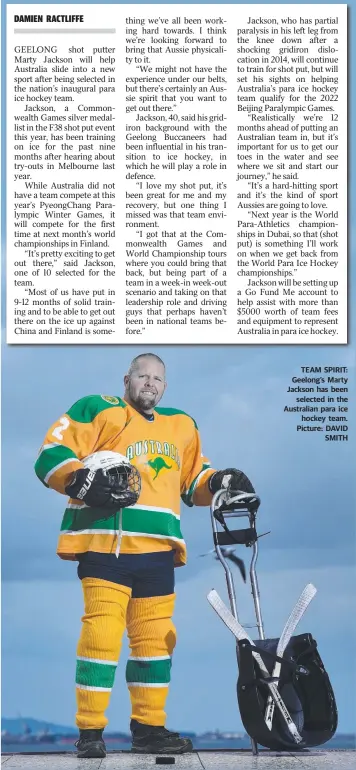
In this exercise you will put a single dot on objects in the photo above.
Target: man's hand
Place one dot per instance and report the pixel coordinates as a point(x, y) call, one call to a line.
point(232, 478)
point(97, 490)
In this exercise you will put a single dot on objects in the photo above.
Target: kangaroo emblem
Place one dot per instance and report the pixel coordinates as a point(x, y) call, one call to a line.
point(157, 465)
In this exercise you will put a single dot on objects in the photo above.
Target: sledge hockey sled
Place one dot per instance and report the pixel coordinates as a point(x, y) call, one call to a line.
point(296, 709)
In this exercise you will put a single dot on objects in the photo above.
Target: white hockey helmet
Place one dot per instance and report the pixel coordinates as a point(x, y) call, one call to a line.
point(115, 465)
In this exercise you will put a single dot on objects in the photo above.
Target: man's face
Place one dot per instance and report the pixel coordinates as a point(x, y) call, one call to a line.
point(144, 388)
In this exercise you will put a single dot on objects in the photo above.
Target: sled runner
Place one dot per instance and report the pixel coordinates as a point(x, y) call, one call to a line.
point(284, 694)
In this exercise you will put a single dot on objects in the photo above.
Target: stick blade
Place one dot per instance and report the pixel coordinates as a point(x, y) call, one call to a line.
point(296, 615)
point(225, 615)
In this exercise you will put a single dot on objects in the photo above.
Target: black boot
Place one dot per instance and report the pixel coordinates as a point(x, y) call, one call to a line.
point(90, 744)
point(147, 739)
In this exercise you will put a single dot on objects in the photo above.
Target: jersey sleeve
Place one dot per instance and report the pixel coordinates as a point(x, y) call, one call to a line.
point(196, 470)
point(77, 434)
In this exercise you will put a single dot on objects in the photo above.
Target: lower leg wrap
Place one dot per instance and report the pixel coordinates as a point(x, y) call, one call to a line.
point(98, 649)
point(152, 639)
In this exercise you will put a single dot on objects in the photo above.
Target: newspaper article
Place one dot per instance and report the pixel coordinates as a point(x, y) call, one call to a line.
point(179, 306)
point(177, 173)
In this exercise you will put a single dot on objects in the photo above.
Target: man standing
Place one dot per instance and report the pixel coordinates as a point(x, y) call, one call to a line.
point(128, 584)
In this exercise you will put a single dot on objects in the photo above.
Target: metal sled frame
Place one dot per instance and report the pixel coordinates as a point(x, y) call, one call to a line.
point(230, 506)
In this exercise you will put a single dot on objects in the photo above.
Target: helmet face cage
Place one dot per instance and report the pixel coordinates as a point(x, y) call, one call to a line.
point(126, 476)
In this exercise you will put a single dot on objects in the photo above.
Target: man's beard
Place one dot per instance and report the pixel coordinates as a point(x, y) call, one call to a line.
point(144, 402)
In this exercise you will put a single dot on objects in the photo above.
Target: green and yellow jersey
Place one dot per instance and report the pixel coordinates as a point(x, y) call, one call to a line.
point(167, 452)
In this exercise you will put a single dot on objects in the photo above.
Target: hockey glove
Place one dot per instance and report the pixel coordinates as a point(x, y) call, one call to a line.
point(231, 478)
point(98, 490)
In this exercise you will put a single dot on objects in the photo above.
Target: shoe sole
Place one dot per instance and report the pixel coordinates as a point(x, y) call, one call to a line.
point(94, 753)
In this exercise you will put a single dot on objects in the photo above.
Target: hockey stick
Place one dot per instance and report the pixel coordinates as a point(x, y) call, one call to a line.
point(298, 611)
point(239, 632)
